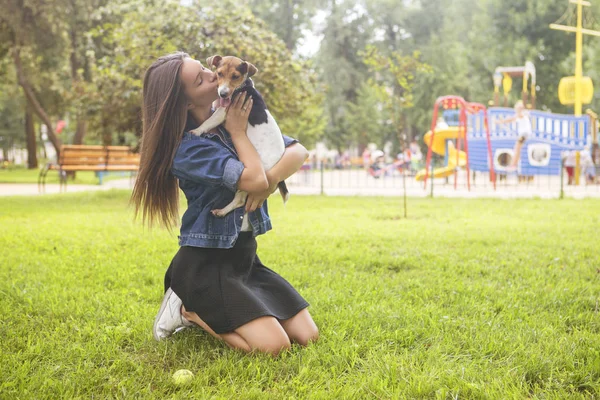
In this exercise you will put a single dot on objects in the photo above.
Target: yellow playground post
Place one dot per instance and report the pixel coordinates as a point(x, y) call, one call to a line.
point(573, 88)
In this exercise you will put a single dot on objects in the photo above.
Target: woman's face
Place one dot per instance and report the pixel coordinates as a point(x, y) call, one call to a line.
point(200, 84)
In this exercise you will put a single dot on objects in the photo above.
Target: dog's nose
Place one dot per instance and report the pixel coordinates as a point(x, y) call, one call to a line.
point(224, 92)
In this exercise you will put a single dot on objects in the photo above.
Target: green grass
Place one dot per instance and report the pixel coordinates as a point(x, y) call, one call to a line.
point(23, 175)
point(466, 299)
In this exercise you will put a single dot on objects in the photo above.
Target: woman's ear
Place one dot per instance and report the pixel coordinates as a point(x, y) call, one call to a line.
point(190, 106)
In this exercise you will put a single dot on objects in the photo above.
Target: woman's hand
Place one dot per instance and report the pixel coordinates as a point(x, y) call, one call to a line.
point(256, 200)
point(236, 122)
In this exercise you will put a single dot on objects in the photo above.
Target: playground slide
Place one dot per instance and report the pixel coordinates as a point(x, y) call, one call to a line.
point(439, 147)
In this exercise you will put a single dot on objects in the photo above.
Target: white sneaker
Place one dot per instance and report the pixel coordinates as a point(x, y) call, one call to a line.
point(169, 318)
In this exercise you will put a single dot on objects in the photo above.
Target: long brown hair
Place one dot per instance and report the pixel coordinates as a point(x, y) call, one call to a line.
point(164, 114)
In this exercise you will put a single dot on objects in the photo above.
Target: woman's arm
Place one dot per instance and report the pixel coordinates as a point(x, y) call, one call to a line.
point(253, 177)
point(291, 161)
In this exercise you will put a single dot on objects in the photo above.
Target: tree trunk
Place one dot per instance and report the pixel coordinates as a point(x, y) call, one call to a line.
point(43, 145)
point(32, 161)
point(33, 101)
point(289, 32)
point(106, 134)
point(77, 84)
point(81, 129)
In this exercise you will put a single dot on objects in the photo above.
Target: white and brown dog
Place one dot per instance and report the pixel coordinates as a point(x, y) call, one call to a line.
point(233, 76)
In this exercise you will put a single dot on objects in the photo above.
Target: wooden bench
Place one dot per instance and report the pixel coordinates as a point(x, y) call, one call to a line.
point(90, 158)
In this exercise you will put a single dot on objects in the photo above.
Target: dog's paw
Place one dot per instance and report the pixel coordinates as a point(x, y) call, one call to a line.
point(199, 131)
point(218, 213)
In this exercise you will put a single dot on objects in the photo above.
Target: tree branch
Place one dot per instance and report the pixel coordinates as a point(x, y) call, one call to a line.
point(32, 99)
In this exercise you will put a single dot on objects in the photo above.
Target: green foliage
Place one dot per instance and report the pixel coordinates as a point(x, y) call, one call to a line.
point(85, 59)
point(342, 70)
point(287, 19)
point(98, 52)
point(143, 32)
point(367, 121)
point(12, 114)
point(476, 299)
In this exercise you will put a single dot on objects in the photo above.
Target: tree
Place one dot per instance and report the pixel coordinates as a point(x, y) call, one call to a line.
point(287, 19)
point(396, 79)
point(341, 69)
point(141, 32)
point(367, 119)
point(11, 118)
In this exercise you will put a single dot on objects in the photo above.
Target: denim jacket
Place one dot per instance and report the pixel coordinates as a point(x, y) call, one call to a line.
point(208, 170)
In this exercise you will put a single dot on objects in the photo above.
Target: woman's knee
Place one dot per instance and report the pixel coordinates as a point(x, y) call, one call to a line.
point(274, 346)
point(306, 336)
point(266, 335)
point(301, 328)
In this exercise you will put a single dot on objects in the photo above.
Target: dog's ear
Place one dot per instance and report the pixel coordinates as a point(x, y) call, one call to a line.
point(251, 70)
point(213, 61)
point(247, 68)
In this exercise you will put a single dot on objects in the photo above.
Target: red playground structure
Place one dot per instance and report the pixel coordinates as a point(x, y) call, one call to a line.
point(451, 141)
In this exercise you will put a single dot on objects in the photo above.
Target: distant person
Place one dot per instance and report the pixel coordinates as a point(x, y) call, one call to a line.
point(404, 159)
point(441, 123)
point(524, 130)
point(377, 165)
point(416, 155)
point(570, 165)
point(588, 167)
point(366, 157)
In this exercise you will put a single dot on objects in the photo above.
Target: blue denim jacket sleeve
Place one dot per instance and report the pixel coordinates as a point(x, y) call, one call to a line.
point(206, 162)
point(288, 141)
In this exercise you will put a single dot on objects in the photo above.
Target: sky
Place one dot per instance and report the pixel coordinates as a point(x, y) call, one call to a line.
point(310, 43)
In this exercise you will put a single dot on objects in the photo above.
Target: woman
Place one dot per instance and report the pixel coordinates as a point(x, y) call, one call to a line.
point(216, 280)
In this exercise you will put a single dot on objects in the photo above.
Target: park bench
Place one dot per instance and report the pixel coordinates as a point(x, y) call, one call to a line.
point(100, 159)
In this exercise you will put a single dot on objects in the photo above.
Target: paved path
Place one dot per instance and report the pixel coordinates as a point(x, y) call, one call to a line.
point(31, 189)
point(357, 185)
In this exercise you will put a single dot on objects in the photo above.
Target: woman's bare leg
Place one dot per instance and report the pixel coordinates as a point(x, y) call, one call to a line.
point(301, 328)
point(232, 339)
point(263, 334)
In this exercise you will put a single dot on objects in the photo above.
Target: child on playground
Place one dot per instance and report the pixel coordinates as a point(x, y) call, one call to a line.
point(569, 162)
point(588, 166)
point(524, 130)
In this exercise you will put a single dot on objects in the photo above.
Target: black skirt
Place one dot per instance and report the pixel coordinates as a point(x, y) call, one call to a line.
point(228, 288)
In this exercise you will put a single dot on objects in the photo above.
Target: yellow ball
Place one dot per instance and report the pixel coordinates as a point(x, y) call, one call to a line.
point(183, 376)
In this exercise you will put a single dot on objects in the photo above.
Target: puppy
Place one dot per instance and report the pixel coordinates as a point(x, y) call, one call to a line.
point(233, 76)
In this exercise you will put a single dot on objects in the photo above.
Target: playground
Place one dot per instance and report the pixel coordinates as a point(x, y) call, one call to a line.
point(524, 142)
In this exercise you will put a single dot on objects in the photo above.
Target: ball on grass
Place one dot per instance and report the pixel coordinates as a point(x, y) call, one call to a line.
point(183, 376)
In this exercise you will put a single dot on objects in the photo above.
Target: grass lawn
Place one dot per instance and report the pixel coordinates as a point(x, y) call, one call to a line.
point(466, 299)
point(23, 175)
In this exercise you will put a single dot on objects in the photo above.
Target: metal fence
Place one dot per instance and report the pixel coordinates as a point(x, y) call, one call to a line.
point(550, 183)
